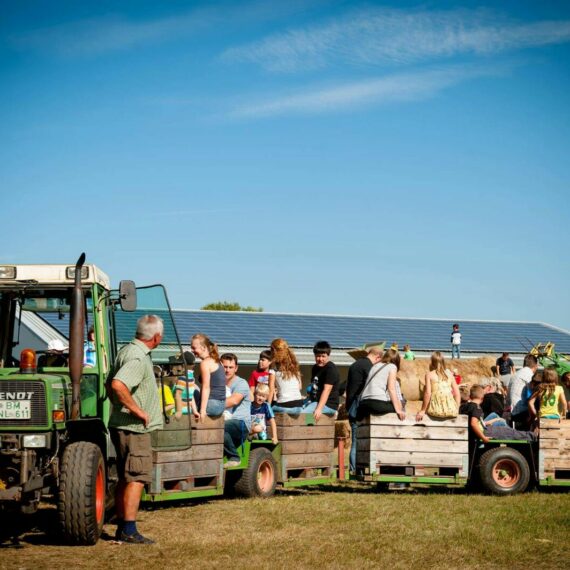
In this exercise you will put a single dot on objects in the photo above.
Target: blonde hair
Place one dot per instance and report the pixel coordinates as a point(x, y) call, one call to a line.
point(284, 359)
point(548, 385)
point(211, 347)
point(437, 365)
point(262, 390)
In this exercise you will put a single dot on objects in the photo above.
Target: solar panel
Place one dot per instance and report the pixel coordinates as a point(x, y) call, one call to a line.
point(259, 329)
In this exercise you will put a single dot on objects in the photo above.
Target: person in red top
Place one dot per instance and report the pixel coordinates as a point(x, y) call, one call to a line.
point(261, 374)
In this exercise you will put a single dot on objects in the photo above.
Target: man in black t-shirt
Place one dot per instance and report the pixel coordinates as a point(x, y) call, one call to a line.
point(505, 365)
point(357, 374)
point(325, 376)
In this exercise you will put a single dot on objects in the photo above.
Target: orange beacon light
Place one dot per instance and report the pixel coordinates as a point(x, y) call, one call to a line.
point(28, 361)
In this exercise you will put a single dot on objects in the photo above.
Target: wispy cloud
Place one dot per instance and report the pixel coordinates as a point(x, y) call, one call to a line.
point(383, 36)
point(378, 91)
point(116, 32)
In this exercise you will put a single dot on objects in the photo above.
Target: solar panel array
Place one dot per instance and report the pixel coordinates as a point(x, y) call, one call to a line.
point(258, 329)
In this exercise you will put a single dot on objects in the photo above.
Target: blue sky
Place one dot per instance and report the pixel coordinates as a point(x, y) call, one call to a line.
point(403, 159)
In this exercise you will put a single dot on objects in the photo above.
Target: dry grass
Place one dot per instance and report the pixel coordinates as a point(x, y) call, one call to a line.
point(335, 527)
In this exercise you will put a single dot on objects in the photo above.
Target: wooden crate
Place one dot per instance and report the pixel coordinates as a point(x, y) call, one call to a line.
point(388, 446)
point(554, 450)
point(307, 447)
point(199, 466)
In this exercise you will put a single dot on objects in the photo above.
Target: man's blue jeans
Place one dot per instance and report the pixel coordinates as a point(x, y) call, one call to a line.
point(455, 351)
point(235, 433)
point(311, 407)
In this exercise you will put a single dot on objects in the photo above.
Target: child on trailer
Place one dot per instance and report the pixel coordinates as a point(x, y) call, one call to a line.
point(261, 374)
point(548, 401)
point(262, 414)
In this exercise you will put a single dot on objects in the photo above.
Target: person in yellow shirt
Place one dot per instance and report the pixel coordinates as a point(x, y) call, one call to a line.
point(548, 401)
point(167, 403)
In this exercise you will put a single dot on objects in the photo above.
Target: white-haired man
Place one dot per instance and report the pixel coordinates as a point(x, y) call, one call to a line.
point(135, 413)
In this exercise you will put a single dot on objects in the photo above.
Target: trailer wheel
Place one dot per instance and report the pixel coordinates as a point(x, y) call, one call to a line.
point(81, 498)
point(504, 471)
point(259, 479)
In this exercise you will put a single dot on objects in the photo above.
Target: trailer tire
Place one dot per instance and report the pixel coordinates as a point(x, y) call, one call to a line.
point(504, 471)
point(81, 497)
point(259, 478)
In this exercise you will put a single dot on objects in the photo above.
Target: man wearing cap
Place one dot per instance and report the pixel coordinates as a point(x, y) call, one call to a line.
point(357, 374)
point(135, 414)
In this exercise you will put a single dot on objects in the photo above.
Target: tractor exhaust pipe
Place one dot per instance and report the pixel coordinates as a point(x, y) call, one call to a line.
point(76, 329)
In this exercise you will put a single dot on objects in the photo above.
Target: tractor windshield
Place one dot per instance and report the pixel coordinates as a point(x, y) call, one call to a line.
point(36, 318)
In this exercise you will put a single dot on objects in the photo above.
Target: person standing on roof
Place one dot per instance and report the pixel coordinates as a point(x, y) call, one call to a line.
point(455, 342)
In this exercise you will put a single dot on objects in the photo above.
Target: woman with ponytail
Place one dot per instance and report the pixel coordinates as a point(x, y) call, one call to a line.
point(211, 398)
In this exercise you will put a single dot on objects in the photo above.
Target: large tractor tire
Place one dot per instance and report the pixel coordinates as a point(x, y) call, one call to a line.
point(81, 498)
point(504, 471)
point(259, 479)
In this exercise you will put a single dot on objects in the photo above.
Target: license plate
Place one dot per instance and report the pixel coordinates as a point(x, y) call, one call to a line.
point(15, 409)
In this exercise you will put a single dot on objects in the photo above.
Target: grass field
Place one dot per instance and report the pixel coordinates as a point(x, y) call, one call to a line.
point(328, 527)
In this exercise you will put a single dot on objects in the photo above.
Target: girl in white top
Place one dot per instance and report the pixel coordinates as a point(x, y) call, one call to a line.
point(380, 395)
point(284, 378)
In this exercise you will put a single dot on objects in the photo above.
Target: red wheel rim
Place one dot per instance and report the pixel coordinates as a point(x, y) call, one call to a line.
point(265, 476)
point(506, 473)
point(100, 494)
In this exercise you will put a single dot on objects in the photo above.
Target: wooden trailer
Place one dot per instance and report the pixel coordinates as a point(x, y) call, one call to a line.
point(432, 451)
point(554, 452)
point(308, 455)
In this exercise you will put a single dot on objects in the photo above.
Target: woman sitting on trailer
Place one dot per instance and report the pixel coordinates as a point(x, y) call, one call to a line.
point(380, 393)
point(441, 394)
point(285, 379)
point(210, 399)
point(550, 395)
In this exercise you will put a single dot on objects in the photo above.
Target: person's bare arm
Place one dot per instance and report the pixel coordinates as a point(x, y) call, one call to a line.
point(394, 395)
point(273, 425)
point(426, 398)
point(322, 401)
point(271, 387)
point(562, 405)
point(455, 392)
point(234, 400)
point(205, 388)
point(532, 408)
point(477, 430)
point(126, 400)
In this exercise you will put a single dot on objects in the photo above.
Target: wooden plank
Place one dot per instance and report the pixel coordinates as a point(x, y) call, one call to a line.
point(307, 446)
point(413, 432)
point(185, 469)
point(406, 458)
point(558, 463)
point(307, 460)
point(410, 420)
point(413, 445)
point(195, 453)
point(208, 423)
point(309, 432)
point(287, 420)
point(207, 436)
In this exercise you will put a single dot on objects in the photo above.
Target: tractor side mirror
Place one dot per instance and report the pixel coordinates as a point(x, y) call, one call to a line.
point(128, 296)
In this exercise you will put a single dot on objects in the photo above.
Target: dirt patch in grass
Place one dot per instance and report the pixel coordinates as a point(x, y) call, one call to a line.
point(338, 526)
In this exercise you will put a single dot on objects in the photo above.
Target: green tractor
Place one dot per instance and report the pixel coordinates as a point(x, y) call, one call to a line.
point(548, 357)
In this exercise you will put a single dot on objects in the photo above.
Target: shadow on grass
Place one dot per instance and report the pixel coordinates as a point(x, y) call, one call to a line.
point(37, 529)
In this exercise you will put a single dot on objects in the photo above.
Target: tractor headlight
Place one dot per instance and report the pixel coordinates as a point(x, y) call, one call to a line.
point(35, 441)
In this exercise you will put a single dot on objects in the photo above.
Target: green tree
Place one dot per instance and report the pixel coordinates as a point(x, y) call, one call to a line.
point(230, 306)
